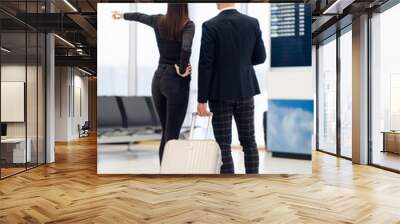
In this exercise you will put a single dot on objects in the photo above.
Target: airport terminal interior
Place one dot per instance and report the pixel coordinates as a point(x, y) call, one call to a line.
point(53, 68)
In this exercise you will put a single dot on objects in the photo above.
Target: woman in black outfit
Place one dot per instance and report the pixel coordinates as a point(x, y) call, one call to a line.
point(171, 82)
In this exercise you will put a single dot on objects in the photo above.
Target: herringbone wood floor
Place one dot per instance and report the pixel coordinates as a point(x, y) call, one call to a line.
point(69, 191)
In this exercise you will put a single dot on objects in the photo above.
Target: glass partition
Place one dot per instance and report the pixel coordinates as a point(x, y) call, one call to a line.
point(14, 144)
point(385, 89)
point(22, 77)
point(346, 94)
point(31, 97)
point(327, 96)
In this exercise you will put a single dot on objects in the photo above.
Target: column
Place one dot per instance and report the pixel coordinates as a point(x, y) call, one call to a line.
point(360, 90)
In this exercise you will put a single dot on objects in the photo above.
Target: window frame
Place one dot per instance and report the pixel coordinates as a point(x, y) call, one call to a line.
point(336, 36)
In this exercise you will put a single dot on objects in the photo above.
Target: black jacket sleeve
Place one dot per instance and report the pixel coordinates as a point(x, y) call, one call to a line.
point(259, 54)
point(206, 63)
point(150, 20)
point(186, 51)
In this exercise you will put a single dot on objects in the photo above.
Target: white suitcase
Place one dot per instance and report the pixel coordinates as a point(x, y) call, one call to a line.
point(192, 156)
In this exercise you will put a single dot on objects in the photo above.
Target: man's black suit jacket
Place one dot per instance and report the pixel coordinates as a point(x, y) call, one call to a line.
point(231, 45)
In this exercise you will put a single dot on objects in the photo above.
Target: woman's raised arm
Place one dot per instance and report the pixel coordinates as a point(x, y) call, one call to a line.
point(150, 20)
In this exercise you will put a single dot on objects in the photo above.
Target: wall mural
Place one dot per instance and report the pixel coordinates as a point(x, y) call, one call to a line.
point(290, 127)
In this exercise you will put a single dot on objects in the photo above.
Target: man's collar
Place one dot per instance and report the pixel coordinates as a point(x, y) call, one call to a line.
point(227, 8)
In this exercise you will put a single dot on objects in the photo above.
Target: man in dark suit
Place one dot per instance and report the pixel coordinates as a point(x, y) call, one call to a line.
point(231, 45)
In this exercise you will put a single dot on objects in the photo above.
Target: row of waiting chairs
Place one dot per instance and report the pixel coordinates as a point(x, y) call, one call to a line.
point(116, 112)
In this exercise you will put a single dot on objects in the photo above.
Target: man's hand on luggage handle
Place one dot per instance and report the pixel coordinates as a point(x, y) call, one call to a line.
point(202, 109)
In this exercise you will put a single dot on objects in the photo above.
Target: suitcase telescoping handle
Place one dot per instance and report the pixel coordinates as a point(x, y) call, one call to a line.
point(195, 115)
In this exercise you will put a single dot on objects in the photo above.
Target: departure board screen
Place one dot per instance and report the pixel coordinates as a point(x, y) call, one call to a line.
point(290, 35)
